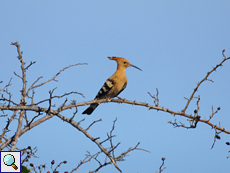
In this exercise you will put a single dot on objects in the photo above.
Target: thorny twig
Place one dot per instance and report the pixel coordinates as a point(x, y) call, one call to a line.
point(159, 108)
point(110, 136)
point(156, 98)
point(52, 97)
point(204, 79)
point(85, 160)
point(118, 158)
point(52, 79)
point(213, 113)
point(215, 137)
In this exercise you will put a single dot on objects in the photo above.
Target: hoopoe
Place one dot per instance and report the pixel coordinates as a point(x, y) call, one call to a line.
point(114, 85)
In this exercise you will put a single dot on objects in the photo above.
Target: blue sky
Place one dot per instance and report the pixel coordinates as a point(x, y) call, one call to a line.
point(175, 43)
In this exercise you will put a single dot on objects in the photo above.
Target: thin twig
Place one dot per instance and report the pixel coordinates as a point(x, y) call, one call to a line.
point(56, 75)
point(204, 79)
point(31, 63)
point(93, 124)
point(163, 162)
point(9, 83)
point(72, 92)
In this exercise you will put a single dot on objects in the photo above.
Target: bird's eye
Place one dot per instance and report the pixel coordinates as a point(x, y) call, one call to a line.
point(125, 62)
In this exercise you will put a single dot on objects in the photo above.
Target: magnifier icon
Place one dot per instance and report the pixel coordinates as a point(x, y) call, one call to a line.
point(9, 160)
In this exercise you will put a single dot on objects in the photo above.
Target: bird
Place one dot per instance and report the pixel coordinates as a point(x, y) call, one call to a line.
point(114, 85)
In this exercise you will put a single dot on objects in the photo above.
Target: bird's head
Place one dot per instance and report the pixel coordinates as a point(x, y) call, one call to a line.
point(122, 62)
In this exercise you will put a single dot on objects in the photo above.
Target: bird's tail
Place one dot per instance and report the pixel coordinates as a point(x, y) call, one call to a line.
point(90, 109)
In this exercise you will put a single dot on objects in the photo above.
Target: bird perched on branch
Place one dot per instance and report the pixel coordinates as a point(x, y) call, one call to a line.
point(114, 85)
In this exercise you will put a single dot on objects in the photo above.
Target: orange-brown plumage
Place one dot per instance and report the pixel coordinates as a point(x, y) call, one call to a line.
point(114, 85)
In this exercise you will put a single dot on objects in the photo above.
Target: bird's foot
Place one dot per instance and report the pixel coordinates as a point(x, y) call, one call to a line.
point(108, 99)
point(119, 98)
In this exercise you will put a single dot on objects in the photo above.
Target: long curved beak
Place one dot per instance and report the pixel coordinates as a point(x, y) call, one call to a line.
point(135, 67)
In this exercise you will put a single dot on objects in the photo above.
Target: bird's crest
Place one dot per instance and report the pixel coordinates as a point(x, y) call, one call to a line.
point(122, 62)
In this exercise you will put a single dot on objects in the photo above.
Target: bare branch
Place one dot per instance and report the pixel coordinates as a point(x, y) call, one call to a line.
point(118, 158)
point(25, 129)
point(213, 113)
point(204, 79)
point(7, 125)
point(9, 83)
point(72, 92)
point(50, 105)
point(32, 98)
point(23, 77)
point(8, 100)
point(53, 79)
point(75, 111)
point(156, 99)
point(39, 113)
point(31, 63)
point(31, 87)
point(93, 124)
point(23, 93)
point(17, 75)
point(158, 108)
point(85, 160)
point(76, 125)
point(215, 137)
point(110, 136)
point(18, 49)
point(79, 122)
point(174, 113)
point(17, 134)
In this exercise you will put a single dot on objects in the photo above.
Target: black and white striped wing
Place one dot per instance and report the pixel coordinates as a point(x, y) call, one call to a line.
point(108, 85)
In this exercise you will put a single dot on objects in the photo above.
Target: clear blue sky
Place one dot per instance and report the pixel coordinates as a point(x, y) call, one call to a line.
point(175, 43)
